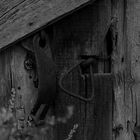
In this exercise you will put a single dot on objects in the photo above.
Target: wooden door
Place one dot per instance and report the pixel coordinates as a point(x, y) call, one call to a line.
point(82, 33)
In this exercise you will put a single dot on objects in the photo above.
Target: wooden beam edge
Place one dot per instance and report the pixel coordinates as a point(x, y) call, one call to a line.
point(4, 46)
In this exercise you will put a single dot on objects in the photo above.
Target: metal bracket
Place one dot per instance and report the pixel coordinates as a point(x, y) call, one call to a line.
point(69, 92)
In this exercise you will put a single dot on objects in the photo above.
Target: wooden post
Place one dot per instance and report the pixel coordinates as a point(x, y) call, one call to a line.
point(133, 42)
point(125, 99)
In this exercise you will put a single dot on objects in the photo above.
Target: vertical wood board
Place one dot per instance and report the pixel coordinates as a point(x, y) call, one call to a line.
point(103, 107)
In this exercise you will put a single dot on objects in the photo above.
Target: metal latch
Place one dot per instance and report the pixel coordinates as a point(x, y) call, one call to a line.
point(86, 66)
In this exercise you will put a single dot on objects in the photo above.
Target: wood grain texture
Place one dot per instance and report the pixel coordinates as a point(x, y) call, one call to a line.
point(8, 5)
point(76, 35)
point(30, 15)
point(101, 21)
point(25, 91)
point(134, 48)
point(14, 76)
point(124, 98)
point(103, 90)
point(5, 78)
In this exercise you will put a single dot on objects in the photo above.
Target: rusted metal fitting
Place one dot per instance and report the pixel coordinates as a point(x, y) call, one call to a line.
point(29, 64)
point(87, 62)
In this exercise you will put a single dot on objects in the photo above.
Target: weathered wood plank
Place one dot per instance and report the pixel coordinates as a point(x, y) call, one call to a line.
point(5, 78)
point(69, 44)
point(135, 47)
point(101, 21)
point(85, 36)
point(124, 98)
point(130, 80)
point(118, 69)
point(13, 76)
point(8, 5)
point(32, 15)
point(133, 34)
point(22, 82)
point(65, 53)
point(103, 105)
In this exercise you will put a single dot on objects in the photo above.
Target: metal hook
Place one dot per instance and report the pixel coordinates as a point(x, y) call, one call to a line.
point(71, 93)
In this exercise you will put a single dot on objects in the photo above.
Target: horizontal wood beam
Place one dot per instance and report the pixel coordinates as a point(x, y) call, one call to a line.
point(19, 18)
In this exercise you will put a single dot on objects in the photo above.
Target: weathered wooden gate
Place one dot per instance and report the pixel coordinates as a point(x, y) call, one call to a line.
point(77, 30)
